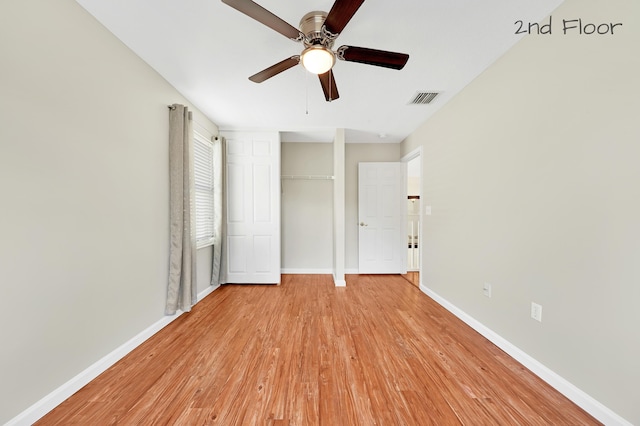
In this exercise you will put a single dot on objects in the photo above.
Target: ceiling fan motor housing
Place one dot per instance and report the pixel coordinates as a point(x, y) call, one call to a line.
point(311, 26)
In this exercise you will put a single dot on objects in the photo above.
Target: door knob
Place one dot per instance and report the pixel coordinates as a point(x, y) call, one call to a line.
point(363, 224)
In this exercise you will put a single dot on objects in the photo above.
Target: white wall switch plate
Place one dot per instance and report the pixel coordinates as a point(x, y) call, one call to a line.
point(486, 289)
point(536, 312)
point(427, 210)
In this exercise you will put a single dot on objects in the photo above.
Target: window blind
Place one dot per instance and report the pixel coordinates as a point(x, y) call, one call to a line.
point(203, 184)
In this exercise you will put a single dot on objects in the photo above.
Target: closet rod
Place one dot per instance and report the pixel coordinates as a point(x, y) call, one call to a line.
point(307, 177)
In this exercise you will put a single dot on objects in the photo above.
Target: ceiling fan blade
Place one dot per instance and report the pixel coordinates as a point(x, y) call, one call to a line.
point(379, 58)
point(329, 87)
point(275, 69)
point(340, 14)
point(260, 14)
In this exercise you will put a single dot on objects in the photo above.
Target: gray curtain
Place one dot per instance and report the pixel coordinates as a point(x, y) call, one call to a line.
point(219, 201)
point(181, 289)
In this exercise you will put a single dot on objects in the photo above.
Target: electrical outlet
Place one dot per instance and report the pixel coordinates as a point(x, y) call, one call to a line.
point(536, 311)
point(486, 289)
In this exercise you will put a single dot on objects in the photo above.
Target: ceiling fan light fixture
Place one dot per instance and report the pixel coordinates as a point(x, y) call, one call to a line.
point(317, 59)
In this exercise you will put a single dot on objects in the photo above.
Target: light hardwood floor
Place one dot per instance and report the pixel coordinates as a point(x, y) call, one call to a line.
point(377, 352)
point(413, 277)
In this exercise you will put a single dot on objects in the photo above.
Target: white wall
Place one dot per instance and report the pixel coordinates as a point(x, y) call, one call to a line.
point(307, 208)
point(84, 196)
point(533, 177)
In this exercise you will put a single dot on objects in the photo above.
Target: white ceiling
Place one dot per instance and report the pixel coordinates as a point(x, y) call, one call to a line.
point(207, 50)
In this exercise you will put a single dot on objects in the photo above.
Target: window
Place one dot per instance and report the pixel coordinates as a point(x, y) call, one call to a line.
point(203, 184)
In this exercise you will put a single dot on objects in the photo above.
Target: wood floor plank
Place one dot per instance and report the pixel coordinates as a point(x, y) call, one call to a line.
point(377, 352)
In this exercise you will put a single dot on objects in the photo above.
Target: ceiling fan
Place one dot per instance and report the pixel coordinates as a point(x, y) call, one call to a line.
point(318, 31)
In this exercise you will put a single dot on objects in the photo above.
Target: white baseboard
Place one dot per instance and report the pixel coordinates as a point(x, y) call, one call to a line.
point(207, 291)
point(304, 271)
point(337, 283)
point(580, 398)
point(59, 395)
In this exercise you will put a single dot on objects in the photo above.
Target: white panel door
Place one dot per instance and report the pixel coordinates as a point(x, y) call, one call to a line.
point(382, 213)
point(253, 207)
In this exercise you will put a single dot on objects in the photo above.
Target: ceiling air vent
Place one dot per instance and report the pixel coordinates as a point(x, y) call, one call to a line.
point(423, 98)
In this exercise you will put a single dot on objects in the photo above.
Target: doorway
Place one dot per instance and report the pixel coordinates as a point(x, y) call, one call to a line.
point(414, 209)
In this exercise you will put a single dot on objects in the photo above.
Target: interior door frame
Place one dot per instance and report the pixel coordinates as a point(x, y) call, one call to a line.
point(417, 153)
